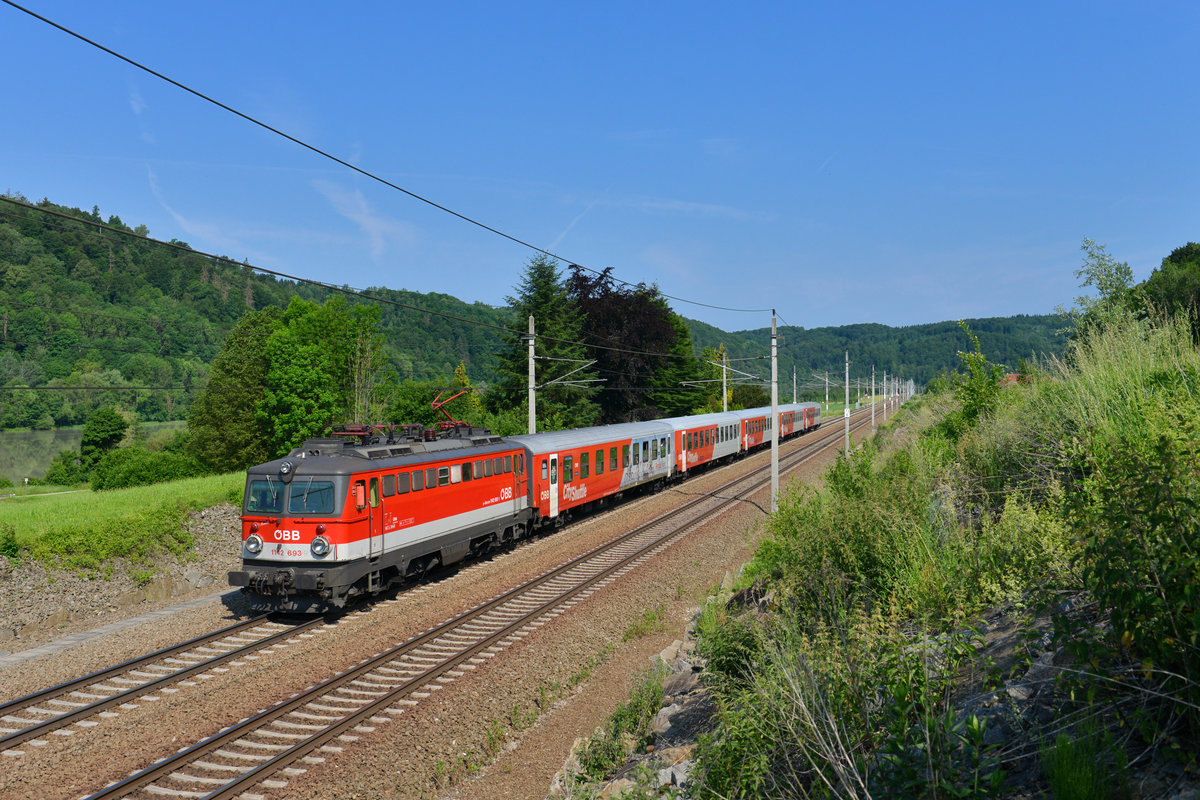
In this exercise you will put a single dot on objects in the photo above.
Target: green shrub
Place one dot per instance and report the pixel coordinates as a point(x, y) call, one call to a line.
point(5, 483)
point(134, 466)
point(66, 470)
point(8, 543)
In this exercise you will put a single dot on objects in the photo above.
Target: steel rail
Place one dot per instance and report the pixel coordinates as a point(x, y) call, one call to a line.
point(540, 608)
point(9, 710)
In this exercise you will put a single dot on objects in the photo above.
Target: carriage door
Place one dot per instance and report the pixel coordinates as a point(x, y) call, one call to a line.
point(554, 485)
point(375, 514)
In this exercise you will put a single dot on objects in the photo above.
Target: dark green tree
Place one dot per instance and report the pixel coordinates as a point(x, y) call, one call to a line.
point(104, 430)
point(227, 434)
point(542, 293)
point(1175, 286)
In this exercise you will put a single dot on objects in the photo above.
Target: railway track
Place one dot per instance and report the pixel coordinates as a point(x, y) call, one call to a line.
point(263, 752)
point(78, 701)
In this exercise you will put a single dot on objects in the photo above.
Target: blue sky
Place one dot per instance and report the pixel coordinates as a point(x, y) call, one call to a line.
point(842, 162)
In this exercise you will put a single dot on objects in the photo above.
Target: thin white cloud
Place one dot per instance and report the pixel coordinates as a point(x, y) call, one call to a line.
point(721, 148)
point(136, 102)
point(380, 231)
point(205, 235)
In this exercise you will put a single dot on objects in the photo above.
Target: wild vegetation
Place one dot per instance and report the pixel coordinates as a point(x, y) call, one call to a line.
point(1072, 495)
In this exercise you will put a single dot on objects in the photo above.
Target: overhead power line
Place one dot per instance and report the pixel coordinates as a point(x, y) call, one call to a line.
point(328, 286)
point(347, 164)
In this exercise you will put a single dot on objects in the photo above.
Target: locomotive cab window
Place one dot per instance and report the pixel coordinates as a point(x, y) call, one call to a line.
point(265, 497)
point(307, 496)
point(374, 492)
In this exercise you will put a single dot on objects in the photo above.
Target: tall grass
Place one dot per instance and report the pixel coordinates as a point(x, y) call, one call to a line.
point(87, 530)
point(1084, 477)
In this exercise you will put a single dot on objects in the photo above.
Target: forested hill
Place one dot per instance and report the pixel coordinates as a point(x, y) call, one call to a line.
point(92, 317)
point(86, 307)
point(918, 352)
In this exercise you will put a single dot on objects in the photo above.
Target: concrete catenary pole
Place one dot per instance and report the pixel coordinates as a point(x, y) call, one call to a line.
point(774, 419)
point(872, 398)
point(846, 410)
point(532, 393)
point(724, 388)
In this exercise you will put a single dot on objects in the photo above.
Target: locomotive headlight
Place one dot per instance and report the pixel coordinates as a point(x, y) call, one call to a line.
point(254, 544)
point(285, 468)
point(320, 546)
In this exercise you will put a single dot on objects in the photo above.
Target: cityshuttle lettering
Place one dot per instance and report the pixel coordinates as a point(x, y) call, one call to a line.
point(574, 493)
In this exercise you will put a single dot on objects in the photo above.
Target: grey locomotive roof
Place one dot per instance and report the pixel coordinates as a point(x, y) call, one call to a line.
point(322, 458)
point(585, 437)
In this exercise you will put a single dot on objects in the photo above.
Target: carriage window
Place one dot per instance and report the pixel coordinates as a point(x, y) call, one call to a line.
point(443, 476)
point(553, 471)
point(612, 459)
point(568, 469)
point(389, 485)
point(508, 464)
point(431, 478)
point(307, 496)
point(654, 448)
point(402, 484)
point(635, 455)
point(625, 455)
point(543, 469)
point(662, 446)
point(645, 451)
point(265, 497)
point(584, 471)
point(455, 473)
point(599, 462)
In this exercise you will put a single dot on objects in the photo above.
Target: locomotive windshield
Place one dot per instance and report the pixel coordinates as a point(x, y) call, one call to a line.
point(306, 496)
point(264, 497)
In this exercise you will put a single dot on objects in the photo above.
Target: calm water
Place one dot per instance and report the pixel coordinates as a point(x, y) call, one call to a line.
point(29, 453)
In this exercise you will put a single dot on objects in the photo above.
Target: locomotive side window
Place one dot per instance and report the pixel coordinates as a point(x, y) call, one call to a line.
point(499, 465)
point(310, 497)
point(418, 480)
point(584, 464)
point(374, 492)
point(455, 473)
point(265, 497)
point(389, 485)
point(431, 477)
point(443, 476)
point(478, 469)
point(465, 470)
point(487, 468)
point(612, 459)
point(507, 464)
point(402, 483)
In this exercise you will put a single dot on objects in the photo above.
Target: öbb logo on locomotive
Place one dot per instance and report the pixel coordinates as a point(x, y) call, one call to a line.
point(459, 490)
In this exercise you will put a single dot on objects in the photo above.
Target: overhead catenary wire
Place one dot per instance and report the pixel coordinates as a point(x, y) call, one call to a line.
point(347, 164)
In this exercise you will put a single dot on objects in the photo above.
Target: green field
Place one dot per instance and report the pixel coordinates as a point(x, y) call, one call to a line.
point(87, 530)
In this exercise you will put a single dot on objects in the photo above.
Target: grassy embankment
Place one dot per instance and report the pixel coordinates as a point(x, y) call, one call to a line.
point(1083, 482)
point(88, 531)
